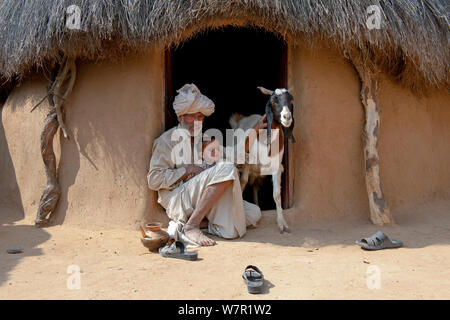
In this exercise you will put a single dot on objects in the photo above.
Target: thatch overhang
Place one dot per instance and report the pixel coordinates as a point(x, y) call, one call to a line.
point(411, 45)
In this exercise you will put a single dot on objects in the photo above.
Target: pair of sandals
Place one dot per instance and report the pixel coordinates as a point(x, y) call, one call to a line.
point(254, 278)
point(379, 241)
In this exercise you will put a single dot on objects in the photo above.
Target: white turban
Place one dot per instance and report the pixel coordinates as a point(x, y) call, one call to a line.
point(190, 100)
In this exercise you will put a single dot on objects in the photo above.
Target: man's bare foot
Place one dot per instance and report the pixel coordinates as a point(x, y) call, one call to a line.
point(193, 233)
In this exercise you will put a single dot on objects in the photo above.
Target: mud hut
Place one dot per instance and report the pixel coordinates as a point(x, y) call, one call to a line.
point(370, 80)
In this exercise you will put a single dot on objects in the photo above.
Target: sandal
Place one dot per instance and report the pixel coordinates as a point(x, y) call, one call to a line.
point(254, 279)
point(177, 250)
point(379, 241)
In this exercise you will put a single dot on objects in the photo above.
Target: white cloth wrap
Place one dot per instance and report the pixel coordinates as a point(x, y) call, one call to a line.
point(190, 100)
point(229, 217)
point(175, 231)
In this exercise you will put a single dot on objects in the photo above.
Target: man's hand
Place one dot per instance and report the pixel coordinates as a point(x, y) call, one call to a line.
point(191, 171)
point(211, 152)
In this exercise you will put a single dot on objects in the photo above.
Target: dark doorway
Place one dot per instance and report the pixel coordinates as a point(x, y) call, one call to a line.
point(228, 65)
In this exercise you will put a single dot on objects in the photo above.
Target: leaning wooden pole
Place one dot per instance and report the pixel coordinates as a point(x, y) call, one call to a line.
point(52, 192)
point(58, 91)
point(379, 210)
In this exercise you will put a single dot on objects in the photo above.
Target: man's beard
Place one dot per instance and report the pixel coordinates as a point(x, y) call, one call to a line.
point(192, 128)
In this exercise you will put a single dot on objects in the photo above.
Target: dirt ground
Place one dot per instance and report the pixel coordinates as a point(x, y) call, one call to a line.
point(318, 260)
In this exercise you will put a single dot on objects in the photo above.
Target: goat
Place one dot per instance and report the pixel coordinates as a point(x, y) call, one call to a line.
point(279, 111)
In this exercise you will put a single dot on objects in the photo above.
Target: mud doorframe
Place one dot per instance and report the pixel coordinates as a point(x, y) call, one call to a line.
point(287, 183)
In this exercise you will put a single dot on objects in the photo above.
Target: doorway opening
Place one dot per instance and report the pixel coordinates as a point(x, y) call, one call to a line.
point(228, 65)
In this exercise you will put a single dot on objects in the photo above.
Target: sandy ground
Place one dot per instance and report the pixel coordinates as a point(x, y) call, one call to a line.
point(318, 260)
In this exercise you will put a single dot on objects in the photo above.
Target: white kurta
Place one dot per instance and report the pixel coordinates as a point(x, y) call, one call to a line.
point(230, 215)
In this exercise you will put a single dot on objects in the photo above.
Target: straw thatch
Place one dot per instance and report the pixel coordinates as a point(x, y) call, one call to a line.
point(411, 45)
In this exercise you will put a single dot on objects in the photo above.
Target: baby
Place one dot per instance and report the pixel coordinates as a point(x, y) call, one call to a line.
point(211, 153)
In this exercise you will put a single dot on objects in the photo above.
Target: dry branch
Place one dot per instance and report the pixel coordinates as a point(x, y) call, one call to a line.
point(379, 210)
point(52, 192)
point(51, 195)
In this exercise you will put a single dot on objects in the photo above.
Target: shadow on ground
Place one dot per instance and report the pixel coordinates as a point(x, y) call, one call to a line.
point(11, 211)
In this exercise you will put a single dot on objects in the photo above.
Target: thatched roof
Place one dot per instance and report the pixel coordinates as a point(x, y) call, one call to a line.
point(412, 43)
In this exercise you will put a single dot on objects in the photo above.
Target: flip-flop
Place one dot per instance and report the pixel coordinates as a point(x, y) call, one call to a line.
point(254, 279)
point(379, 241)
point(178, 250)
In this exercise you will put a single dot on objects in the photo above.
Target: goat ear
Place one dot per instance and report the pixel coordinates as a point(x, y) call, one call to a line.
point(265, 91)
point(269, 117)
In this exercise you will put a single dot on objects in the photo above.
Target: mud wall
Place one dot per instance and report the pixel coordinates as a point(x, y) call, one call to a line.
point(113, 115)
point(329, 161)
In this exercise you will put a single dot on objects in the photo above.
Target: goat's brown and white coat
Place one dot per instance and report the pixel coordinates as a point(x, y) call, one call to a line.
point(280, 122)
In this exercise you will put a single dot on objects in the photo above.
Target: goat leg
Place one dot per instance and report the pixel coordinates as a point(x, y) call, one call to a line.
point(256, 182)
point(276, 180)
point(255, 194)
point(244, 176)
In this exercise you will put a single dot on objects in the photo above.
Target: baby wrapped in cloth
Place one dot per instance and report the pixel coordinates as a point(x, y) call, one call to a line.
point(230, 215)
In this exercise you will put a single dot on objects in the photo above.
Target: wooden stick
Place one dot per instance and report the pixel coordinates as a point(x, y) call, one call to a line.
point(59, 102)
point(49, 92)
point(37, 105)
point(379, 210)
point(52, 192)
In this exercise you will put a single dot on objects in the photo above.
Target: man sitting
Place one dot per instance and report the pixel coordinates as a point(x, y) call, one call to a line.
point(196, 196)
